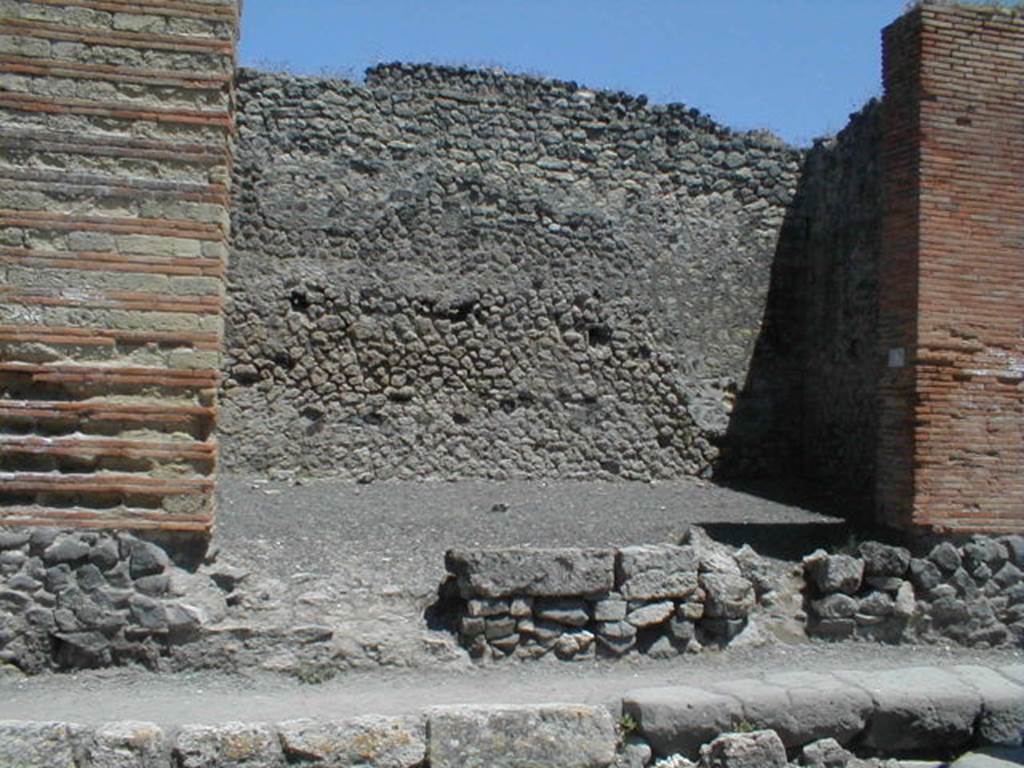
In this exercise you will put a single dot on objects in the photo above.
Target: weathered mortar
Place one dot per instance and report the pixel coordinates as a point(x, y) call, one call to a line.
point(450, 273)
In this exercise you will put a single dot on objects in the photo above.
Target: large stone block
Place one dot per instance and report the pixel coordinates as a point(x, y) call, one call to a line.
point(656, 572)
point(563, 735)
point(679, 719)
point(917, 708)
point(125, 745)
point(535, 572)
point(36, 745)
point(820, 706)
point(233, 745)
point(1002, 705)
point(383, 742)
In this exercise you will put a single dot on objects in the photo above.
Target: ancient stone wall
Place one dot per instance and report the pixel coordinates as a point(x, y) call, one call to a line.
point(952, 286)
point(447, 273)
point(822, 316)
point(114, 151)
point(660, 600)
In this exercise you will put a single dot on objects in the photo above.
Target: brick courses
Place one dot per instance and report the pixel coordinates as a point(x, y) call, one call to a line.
point(115, 121)
point(951, 448)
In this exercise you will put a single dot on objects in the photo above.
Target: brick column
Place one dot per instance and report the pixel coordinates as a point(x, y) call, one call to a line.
point(951, 319)
point(115, 121)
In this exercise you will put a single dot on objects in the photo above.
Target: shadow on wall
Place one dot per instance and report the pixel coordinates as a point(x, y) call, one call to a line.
point(809, 399)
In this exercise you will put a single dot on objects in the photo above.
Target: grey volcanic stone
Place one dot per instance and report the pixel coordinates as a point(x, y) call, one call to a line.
point(1002, 711)
point(877, 604)
point(835, 606)
point(534, 572)
point(610, 609)
point(233, 745)
point(821, 706)
point(654, 613)
point(727, 596)
point(569, 736)
point(572, 613)
point(883, 560)
point(824, 753)
point(146, 559)
point(755, 569)
point(41, 538)
point(917, 709)
point(758, 749)
point(104, 554)
point(924, 574)
point(681, 719)
point(981, 550)
point(657, 571)
point(13, 539)
point(486, 607)
point(125, 745)
point(382, 742)
point(66, 549)
point(834, 573)
point(1014, 549)
point(147, 612)
point(36, 745)
point(82, 650)
point(1008, 576)
point(946, 556)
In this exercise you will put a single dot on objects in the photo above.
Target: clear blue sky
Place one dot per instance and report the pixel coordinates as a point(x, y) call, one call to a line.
point(796, 67)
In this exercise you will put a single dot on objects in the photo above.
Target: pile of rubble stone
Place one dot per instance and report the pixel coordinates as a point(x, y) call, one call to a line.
point(972, 594)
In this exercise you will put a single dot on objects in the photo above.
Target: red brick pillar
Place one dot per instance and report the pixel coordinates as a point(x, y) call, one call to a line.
point(951, 317)
point(115, 120)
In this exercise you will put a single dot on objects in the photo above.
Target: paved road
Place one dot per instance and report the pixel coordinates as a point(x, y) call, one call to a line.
point(168, 700)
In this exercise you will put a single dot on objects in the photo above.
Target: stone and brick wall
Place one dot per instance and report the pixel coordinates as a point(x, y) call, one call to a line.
point(457, 273)
point(115, 122)
point(951, 449)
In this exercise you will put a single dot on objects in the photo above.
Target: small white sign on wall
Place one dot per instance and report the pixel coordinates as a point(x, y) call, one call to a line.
point(897, 357)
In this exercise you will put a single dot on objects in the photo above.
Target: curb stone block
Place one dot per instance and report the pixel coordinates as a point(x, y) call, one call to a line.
point(126, 745)
point(383, 742)
point(765, 707)
point(680, 719)
point(37, 745)
point(563, 735)
point(1002, 705)
point(232, 745)
point(822, 706)
point(917, 708)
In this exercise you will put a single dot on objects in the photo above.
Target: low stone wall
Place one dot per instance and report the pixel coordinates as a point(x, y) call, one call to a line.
point(972, 594)
point(73, 600)
point(736, 724)
point(659, 600)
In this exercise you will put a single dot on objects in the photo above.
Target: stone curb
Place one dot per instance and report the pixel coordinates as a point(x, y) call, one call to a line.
point(900, 711)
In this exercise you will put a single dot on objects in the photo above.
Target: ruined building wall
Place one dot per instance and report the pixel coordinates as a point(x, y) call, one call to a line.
point(952, 291)
point(448, 273)
point(114, 169)
point(826, 302)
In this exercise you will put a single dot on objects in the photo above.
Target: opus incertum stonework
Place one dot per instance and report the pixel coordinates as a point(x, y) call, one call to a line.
point(450, 274)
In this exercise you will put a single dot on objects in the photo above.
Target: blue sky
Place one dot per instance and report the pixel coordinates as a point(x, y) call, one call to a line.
point(796, 67)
